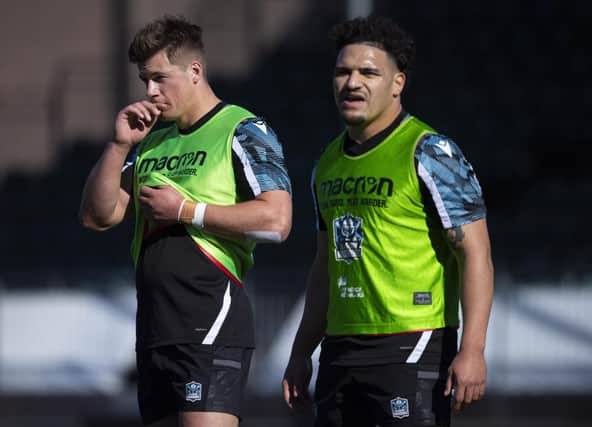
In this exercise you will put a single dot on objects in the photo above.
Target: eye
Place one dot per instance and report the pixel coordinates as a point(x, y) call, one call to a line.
point(369, 71)
point(341, 72)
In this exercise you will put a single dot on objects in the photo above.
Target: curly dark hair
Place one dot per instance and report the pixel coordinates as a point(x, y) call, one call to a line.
point(169, 32)
point(380, 32)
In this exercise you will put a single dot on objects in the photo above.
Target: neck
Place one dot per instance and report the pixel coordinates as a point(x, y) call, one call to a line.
point(362, 133)
point(203, 103)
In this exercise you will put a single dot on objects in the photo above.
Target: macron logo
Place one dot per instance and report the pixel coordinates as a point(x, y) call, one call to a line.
point(261, 127)
point(445, 146)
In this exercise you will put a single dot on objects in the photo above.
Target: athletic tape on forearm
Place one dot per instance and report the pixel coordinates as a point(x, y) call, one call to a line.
point(181, 210)
point(198, 215)
point(192, 213)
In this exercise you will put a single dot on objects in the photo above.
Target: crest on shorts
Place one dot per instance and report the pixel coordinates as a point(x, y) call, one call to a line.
point(348, 235)
point(192, 391)
point(400, 407)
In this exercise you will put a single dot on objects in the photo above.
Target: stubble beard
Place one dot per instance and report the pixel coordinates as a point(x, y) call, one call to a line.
point(353, 120)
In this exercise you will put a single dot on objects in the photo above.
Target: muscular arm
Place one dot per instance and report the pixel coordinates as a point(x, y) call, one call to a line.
point(106, 194)
point(264, 213)
point(311, 330)
point(468, 371)
point(270, 213)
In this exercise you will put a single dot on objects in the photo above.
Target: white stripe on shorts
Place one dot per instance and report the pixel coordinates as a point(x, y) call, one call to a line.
point(215, 329)
point(419, 347)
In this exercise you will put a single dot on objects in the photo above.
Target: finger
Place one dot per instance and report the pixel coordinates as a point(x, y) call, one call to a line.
point(138, 112)
point(161, 188)
point(146, 191)
point(470, 392)
point(287, 394)
point(154, 108)
point(149, 108)
point(459, 397)
point(481, 391)
point(448, 388)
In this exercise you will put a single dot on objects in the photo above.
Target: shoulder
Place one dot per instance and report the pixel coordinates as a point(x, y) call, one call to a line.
point(434, 145)
point(255, 131)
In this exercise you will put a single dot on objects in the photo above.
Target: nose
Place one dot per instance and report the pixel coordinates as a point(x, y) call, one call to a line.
point(353, 80)
point(151, 89)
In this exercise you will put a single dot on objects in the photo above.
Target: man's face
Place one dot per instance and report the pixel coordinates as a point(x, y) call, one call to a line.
point(168, 85)
point(366, 84)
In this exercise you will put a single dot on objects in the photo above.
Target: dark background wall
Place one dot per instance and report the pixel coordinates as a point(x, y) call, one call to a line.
point(507, 81)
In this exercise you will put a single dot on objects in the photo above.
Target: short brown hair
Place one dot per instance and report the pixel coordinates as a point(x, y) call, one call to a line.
point(171, 33)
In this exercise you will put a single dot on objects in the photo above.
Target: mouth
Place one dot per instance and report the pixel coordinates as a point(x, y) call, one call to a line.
point(351, 100)
point(162, 107)
point(159, 104)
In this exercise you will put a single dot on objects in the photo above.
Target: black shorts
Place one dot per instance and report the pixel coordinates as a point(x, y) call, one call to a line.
point(191, 377)
point(396, 394)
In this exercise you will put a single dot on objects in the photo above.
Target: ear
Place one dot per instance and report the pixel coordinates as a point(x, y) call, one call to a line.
point(196, 69)
point(399, 80)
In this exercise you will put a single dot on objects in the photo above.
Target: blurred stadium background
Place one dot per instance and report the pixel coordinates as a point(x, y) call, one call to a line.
point(508, 80)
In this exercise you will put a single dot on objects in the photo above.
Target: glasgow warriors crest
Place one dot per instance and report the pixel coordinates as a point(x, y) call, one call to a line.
point(348, 235)
point(193, 391)
point(400, 407)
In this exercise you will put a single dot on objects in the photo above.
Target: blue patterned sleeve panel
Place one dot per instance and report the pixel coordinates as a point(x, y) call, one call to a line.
point(450, 180)
point(320, 224)
point(260, 164)
point(131, 159)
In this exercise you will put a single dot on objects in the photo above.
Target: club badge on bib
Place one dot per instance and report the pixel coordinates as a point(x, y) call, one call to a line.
point(347, 231)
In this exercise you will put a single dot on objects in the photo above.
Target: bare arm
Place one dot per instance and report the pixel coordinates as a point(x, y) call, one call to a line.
point(270, 212)
point(106, 193)
point(311, 330)
point(467, 373)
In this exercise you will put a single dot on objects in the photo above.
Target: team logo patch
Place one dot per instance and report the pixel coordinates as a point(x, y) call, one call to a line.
point(192, 391)
point(348, 234)
point(400, 407)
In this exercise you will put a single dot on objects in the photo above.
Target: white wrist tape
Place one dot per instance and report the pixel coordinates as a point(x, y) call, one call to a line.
point(198, 215)
point(180, 210)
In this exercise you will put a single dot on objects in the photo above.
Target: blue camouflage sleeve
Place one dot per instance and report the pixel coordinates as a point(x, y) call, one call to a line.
point(130, 159)
point(258, 159)
point(450, 180)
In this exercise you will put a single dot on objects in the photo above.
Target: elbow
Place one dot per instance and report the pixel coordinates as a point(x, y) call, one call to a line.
point(279, 221)
point(89, 222)
point(282, 224)
point(277, 229)
point(284, 230)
